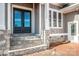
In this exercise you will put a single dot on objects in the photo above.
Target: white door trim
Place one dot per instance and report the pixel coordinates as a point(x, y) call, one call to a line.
point(75, 37)
point(32, 15)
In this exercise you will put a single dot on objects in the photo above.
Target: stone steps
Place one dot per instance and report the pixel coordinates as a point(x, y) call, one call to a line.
point(26, 51)
point(18, 42)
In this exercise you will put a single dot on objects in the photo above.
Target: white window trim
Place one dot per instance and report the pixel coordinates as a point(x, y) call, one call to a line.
point(59, 34)
point(25, 8)
point(76, 27)
point(57, 18)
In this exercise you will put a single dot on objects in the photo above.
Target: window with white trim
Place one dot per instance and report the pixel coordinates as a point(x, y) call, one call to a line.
point(59, 19)
point(55, 18)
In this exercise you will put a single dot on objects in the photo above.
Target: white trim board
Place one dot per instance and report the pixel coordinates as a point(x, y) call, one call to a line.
point(60, 34)
point(26, 48)
point(21, 7)
point(76, 27)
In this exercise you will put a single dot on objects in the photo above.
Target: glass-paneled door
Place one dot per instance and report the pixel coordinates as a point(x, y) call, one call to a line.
point(21, 21)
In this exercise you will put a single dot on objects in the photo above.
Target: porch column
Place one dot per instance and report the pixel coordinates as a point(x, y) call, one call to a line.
point(33, 20)
point(47, 16)
point(9, 17)
point(40, 18)
point(46, 23)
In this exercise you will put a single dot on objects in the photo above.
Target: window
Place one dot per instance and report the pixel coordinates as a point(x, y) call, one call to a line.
point(50, 18)
point(55, 18)
point(59, 19)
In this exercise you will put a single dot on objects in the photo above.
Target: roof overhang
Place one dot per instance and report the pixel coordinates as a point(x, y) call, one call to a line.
point(72, 8)
point(57, 4)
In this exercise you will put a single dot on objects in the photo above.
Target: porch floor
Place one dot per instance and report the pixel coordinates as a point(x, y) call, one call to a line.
point(69, 49)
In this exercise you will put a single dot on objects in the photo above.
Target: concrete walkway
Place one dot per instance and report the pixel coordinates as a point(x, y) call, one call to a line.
point(69, 49)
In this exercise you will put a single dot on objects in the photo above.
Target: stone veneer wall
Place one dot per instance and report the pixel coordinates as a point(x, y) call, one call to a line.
point(4, 42)
point(54, 39)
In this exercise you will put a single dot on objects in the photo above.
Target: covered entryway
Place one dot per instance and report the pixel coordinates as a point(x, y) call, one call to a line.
point(26, 23)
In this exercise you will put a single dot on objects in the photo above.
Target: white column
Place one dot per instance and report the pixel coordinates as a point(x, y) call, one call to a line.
point(9, 16)
point(33, 19)
point(40, 18)
point(46, 21)
point(47, 16)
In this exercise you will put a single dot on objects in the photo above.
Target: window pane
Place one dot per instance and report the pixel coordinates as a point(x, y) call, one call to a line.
point(17, 18)
point(26, 19)
point(73, 29)
point(50, 18)
point(55, 19)
point(59, 19)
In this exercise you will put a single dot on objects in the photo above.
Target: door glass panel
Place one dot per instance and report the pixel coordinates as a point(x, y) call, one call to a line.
point(27, 19)
point(73, 29)
point(17, 18)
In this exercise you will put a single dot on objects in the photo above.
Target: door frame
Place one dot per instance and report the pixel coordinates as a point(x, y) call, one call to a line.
point(24, 8)
point(22, 19)
point(69, 31)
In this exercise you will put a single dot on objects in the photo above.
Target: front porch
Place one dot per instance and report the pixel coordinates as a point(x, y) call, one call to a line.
point(27, 31)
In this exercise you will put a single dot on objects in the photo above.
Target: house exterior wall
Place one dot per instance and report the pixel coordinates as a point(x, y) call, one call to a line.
point(54, 39)
point(55, 30)
point(67, 18)
point(4, 33)
point(74, 16)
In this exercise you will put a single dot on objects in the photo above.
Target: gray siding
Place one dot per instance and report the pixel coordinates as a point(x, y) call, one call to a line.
point(67, 18)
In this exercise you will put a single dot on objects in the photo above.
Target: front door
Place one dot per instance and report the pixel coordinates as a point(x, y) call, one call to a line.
point(21, 21)
point(73, 31)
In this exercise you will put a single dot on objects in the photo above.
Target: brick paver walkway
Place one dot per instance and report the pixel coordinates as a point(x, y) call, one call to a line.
point(69, 49)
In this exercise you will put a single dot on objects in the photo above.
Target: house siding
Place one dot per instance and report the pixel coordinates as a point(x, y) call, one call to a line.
point(54, 39)
point(5, 35)
point(74, 16)
point(67, 18)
